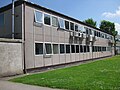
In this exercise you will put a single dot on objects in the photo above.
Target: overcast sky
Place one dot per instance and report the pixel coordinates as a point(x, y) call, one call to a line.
point(83, 9)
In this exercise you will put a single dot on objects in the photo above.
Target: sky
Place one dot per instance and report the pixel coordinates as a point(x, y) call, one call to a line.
point(83, 9)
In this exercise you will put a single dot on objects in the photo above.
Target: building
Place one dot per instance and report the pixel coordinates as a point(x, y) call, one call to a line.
point(118, 44)
point(50, 38)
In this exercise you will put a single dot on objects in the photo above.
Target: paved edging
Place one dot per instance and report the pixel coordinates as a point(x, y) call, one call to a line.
point(6, 85)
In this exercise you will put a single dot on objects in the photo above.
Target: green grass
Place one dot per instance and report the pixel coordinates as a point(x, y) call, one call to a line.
point(103, 74)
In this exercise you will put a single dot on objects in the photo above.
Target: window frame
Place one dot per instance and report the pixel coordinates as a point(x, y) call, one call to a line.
point(36, 17)
point(68, 24)
point(44, 19)
point(59, 23)
point(46, 50)
point(52, 16)
point(35, 48)
point(60, 49)
point(3, 19)
point(67, 48)
point(57, 48)
point(73, 26)
point(73, 50)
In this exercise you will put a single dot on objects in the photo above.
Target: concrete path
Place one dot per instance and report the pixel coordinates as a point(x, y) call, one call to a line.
point(6, 85)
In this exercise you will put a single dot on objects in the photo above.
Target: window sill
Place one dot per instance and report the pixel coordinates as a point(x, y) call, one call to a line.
point(38, 24)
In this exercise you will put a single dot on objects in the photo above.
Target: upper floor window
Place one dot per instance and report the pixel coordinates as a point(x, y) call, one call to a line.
point(67, 25)
point(76, 27)
point(54, 21)
point(71, 26)
point(47, 19)
point(38, 48)
point(1, 19)
point(80, 28)
point(61, 23)
point(38, 17)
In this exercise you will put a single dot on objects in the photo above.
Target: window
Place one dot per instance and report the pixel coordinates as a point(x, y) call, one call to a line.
point(1, 19)
point(87, 30)
point(80, 28)
point(72, 49)
point(47, 19)
point(62, 48)
point(93, 50)
point(48, 48)
point(84, 30)
point(81, 48)
point(38, 17)
point(38, 48)
point(95, 33)
point(77, 48)
point(71, 26)
point(88, 49)
point(54, 21)
point(96, 49)
point(76, 27)
point(98, 34)
point(67, 25)
point(55, 49)
point(85, 50)
point(61, 23)
point(67, 48)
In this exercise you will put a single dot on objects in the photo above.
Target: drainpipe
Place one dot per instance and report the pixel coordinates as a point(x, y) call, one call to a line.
point(13, 18)
point(25, 70)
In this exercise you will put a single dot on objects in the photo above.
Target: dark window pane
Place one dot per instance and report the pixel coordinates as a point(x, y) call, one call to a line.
point(38, 48)
point(48, 48)
point(72, 26)
point(76, 27)
point(72, 49)
point(81, 48)
point(1, 19)
point(77, 48)
point(47, 19)
point(67, 48)
point(85, 49)
point(62, 49)
point(93, 50)
point(67, 25)
point(88, 49)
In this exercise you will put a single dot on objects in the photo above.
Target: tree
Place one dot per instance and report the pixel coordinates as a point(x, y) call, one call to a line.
point(91, 22)
point(109, 27)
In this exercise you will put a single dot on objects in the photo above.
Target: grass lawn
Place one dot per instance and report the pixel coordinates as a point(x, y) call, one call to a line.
point(103, 74)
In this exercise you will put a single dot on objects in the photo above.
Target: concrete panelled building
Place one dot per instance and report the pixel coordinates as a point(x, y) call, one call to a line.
point(50, 38)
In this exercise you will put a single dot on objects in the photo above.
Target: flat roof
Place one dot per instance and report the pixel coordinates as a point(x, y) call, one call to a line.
point(19, 2)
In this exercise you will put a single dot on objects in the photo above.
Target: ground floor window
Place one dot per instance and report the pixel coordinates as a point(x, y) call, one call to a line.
point(55, 49)
point(62, 48)
point(38, 48)
point(67, 48)
point(48, 48)
point(77, 48)
point(72, 48)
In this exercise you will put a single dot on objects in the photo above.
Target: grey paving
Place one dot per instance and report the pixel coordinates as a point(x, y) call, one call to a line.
point(6, 85)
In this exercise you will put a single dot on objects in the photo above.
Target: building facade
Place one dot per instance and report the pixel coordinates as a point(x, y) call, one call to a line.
point(51, 38)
